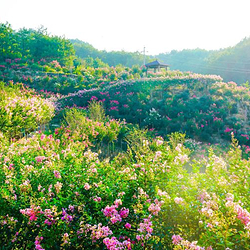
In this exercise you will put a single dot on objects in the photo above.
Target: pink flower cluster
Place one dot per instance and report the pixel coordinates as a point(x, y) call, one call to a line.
point(179, 200)
point(154, 208)
point(159, 141)
point(114, 244)
point(227, 130)
point(65, 239)
point(176, 239)
point(203, 196)
point(112, 213)
point(57, 174)
point(127, 225)
point(50, 220)
point(115, 216)
point(145, 227)
point(217, 119)
point(93, 98)
point(87, 186)
point(114, 108)
point(40, 158)
point(185, 244)
point(100, 232)
point(124, 212)
point(32, 212)
point(97, 198)
point(114, 101)
point(38, 243)
point(243, 215)
point(65, 216)
point(246, 136)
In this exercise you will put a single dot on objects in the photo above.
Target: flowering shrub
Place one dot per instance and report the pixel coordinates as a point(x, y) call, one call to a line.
point(60, 191)
point(57, 193)
point(22, 111)
point(199, 105)
point(51, 76)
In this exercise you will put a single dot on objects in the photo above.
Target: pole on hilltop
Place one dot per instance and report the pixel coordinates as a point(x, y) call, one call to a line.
point(144, 55)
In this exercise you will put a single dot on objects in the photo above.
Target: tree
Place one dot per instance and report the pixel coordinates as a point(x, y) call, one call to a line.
point(8, 44)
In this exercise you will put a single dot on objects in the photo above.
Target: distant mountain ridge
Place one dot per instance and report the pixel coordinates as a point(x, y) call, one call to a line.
point(113, 58)
point(232, 63)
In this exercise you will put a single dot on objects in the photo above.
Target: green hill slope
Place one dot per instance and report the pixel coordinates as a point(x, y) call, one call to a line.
point(202, 106)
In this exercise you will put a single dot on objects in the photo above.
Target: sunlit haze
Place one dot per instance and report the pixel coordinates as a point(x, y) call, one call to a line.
point(160, 25)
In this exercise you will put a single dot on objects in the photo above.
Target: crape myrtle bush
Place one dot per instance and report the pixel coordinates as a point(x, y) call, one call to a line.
point(198, 105)
point(211, 206)
point(57, 194)
point(22, 110)
point(52, 77)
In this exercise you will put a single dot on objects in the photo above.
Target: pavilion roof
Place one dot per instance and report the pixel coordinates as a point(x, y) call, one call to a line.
point(156, 64)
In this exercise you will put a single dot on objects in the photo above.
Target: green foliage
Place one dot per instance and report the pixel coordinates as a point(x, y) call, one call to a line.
point(8, 43)
point(56, 192)
point(113, 58)
point(179, 102)
point(96, 111)
point(34, 45)
point(21, 111)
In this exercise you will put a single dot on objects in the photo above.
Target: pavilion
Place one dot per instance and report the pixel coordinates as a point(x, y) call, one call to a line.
point(156, 65)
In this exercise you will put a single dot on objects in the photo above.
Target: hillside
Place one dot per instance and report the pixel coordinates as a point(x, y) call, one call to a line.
point(100, 157)
point(36, 45)
point(165, 101)
point(202, 106)
point(59, 191)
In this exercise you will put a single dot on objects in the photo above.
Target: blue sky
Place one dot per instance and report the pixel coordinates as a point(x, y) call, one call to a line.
point(160, 25)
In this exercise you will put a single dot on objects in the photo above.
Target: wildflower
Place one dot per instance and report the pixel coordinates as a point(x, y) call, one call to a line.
point(127, 225)
point(100, 232)
point(182, 158)
point(58, 186)
point(40, 158)
point(66, 217)
point(116, 218)
point(154, 209)
point(124, 212)
point(38, 243)
point(43, 136)
point(87, 186)
point(179, 200)
point(32, 212)
point(65, 239)
point(228, 130)
point(176, 239)
point(159, 141)
point(117, 202)
point(98, 199)
point(57, 174)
